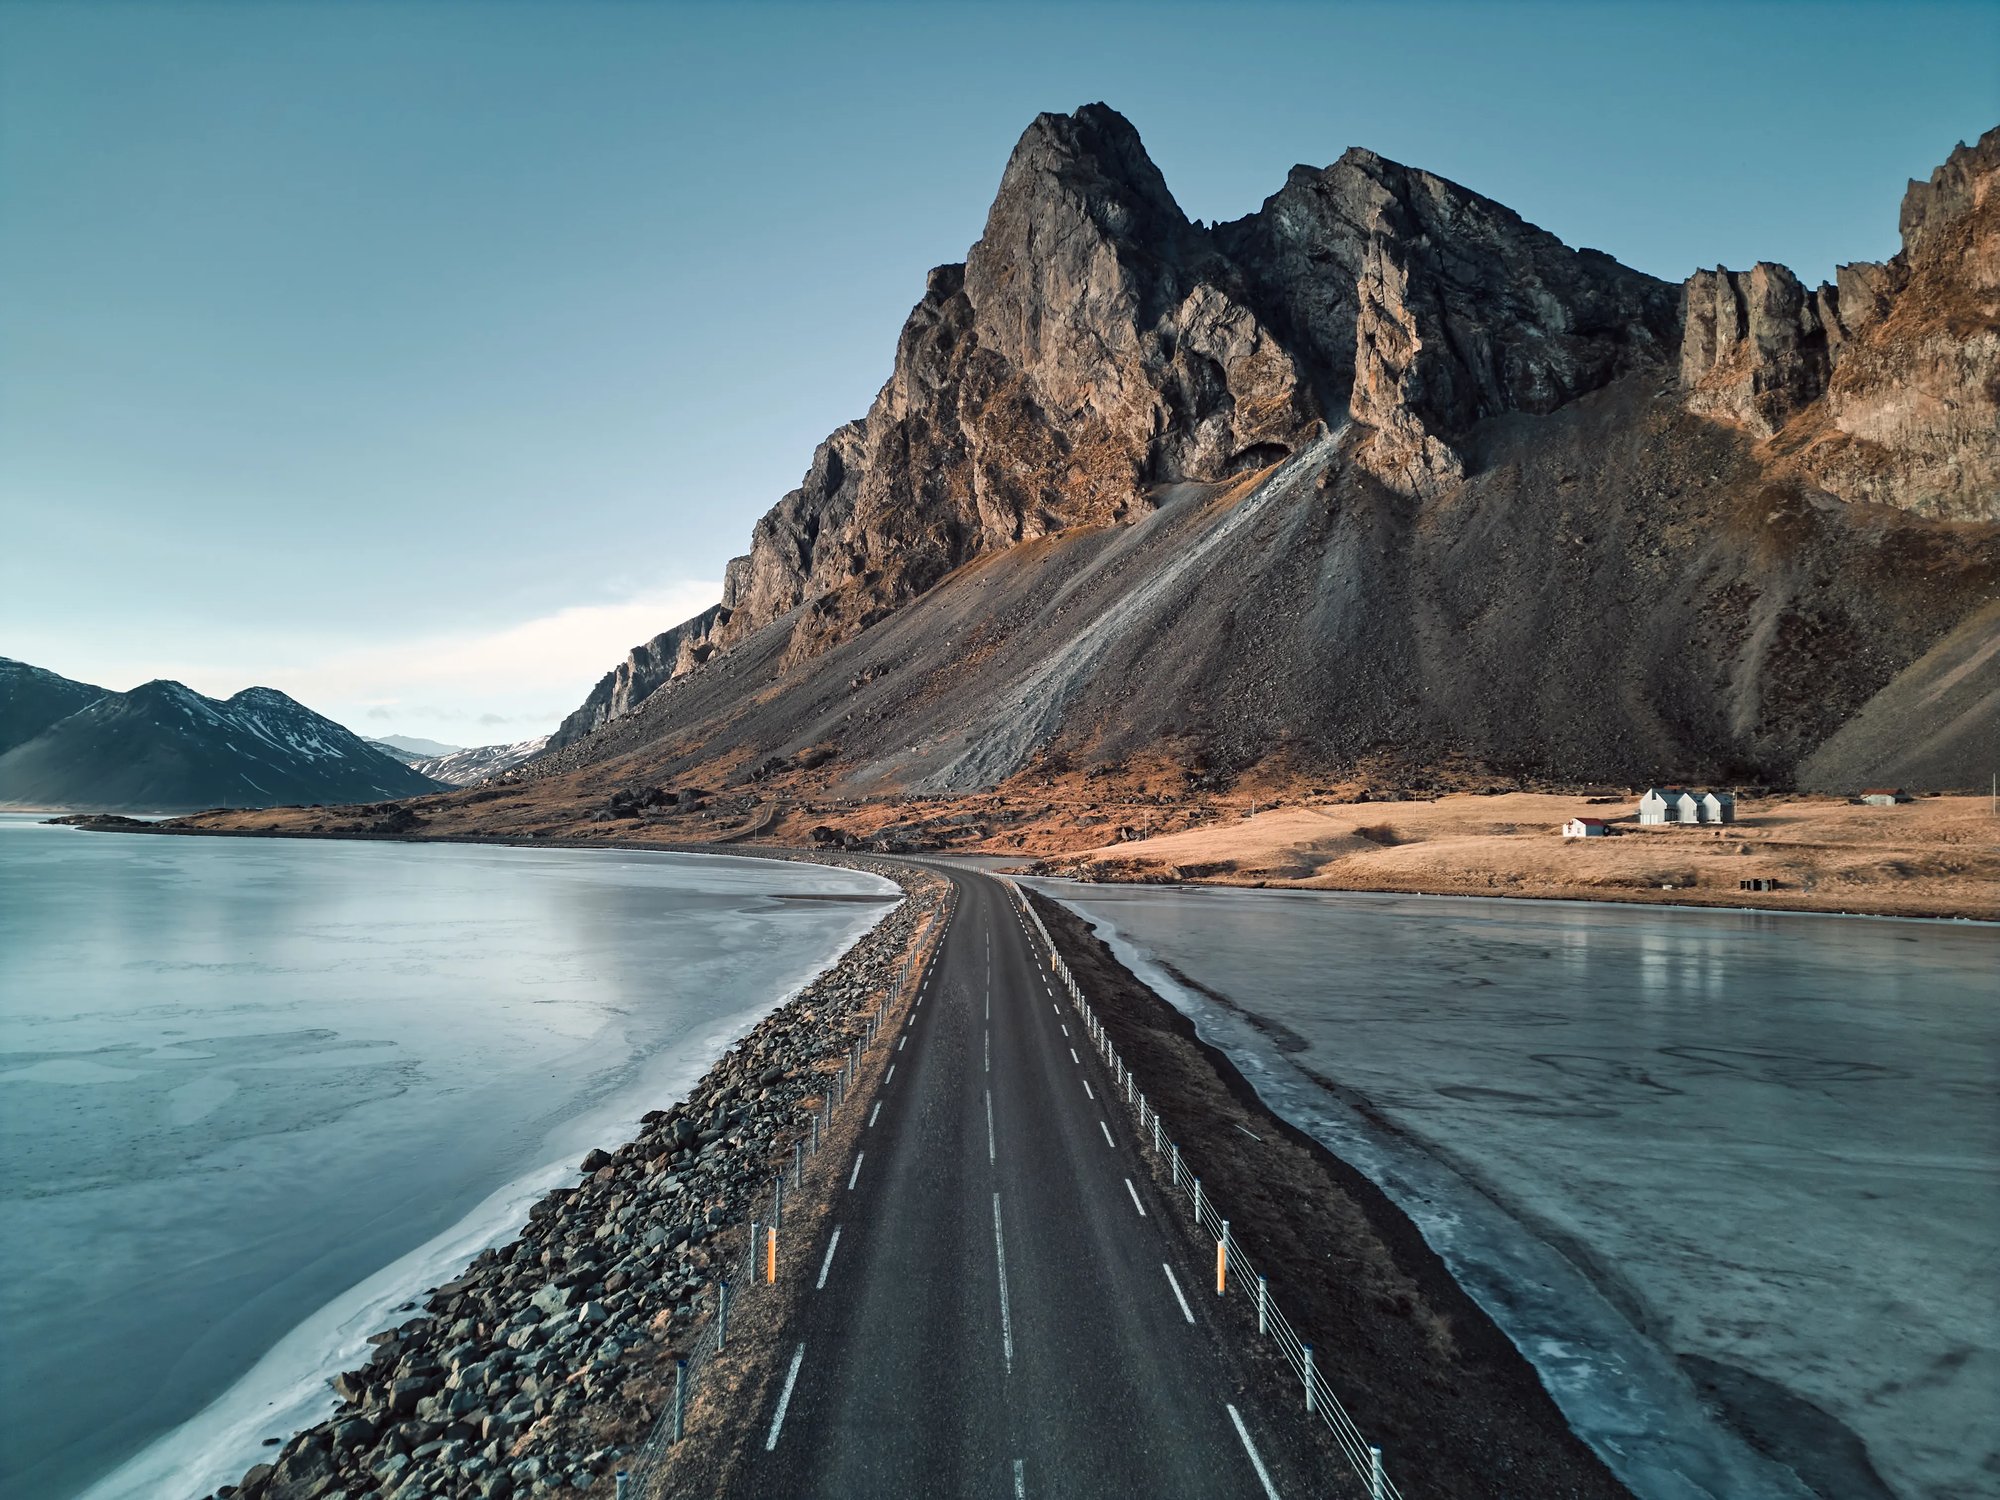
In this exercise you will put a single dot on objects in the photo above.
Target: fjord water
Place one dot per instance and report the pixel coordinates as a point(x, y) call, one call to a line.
point(257, 1094)
point(1757, 1153)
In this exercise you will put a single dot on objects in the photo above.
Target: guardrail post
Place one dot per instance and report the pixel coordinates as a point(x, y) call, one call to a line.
point(756, 1243)
point(1263, 1307)
point(1222, 1260)
point(1197, 1200)
point(1312, 1400)
point(722, 1315)
point(798, 1163)
point(1174, 1162)
point(777, 1202)
point(680, 1398)
point(621, 1480)
point(1156, 1132)
point(1375, 1476)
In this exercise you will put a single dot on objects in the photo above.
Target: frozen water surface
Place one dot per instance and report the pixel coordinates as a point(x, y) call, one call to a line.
point(255, 1094)
point(1686, 1158)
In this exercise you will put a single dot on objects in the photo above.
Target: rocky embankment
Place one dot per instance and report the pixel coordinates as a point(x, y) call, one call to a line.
point(547, 1360)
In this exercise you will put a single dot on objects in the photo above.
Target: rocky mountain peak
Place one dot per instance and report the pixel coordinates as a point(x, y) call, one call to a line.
point(1953, 191)
point(1427, 307)
point(1885, 386)
point(1097, 351)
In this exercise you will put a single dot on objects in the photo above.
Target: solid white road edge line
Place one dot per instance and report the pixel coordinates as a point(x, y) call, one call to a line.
point(1128, 1188)
point(1006, 1319)
point(1186, 1311)
point(1263, 1474)
point(1107, 1135)
point(854, 1176)
point(784, 1400)
point(827, 1264)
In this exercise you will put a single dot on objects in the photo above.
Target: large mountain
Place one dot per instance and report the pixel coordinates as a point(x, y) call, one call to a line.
point(1380, 470)
point(164, 747)
point(33, 698)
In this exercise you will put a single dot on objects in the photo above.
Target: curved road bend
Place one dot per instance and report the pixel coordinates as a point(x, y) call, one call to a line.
point(1000, 1309)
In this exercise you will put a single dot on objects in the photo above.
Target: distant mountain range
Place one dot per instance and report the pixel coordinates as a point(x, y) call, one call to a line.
point(164, 747)
point(457, 765)
point(410, 748)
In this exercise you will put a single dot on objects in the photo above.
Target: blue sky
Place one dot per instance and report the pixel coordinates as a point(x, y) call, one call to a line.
point(417, 359)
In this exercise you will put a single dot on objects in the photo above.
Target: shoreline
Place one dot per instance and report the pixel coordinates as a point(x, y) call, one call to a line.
point(1635, 899)
point(1602, 1371)
point(817, 1003)
point(1161, 863)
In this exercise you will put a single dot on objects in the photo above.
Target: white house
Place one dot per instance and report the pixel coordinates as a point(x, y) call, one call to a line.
point(1675, 804)
point(1884, 796)
point(1584, 828)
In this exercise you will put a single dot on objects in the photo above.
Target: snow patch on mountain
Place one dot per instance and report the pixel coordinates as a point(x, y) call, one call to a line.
point(480, 763)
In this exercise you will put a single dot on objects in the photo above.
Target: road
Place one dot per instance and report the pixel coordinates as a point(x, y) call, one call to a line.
point(999, 1308)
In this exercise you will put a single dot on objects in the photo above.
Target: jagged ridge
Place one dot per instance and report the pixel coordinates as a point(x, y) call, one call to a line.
point(1097, 349)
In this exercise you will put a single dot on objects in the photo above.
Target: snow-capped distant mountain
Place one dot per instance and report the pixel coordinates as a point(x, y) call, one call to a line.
point(470, 767)
point(410, 749)
point(33, 698)
point(165, 747)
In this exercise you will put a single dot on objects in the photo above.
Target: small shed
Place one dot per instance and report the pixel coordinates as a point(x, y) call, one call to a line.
point(1757, 883)
point(1884, 796)
point(1584, 828)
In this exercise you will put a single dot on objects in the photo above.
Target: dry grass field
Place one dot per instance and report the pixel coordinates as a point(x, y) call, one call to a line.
point(1935, 856)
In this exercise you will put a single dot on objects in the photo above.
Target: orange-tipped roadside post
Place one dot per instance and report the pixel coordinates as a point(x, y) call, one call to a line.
point(771, 1273)
point(1222, 1260)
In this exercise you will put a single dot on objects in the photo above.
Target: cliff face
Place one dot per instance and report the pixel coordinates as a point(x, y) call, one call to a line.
point(1096, 343)
point(1098, 354)
point(1885, 386)
point(646, 668)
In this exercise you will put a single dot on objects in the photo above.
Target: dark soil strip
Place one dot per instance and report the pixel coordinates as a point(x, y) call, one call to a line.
point(1419, 1366)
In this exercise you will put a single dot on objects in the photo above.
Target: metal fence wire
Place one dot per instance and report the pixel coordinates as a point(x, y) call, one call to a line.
point(1233, 1269)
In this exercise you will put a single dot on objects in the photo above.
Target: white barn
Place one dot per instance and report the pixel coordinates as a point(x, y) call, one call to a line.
point(1676, 804)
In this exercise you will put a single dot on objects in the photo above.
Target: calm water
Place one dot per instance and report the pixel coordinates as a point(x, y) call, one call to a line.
point(1760, 1149)
point(253, 1095)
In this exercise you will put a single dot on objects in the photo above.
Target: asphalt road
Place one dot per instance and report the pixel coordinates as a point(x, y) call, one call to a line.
point(999, 1308)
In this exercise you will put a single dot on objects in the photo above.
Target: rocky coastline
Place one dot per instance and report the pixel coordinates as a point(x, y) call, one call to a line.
point(544, 1364)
